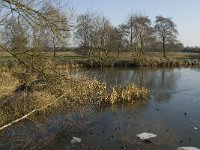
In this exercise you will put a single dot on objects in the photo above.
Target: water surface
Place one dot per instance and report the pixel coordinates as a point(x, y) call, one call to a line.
point(172, 112)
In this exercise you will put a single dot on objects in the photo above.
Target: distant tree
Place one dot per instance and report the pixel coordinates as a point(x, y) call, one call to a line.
point(62, 21)
point(15, 35)
point(116, 40)
point(105, 33)
point(166, 30)
point(44, 39)
point(127, 31)
point(138, 33)
point(85, 32)
point(111, 37)
point(95, 34)
point(143, 33)
point(175, 45)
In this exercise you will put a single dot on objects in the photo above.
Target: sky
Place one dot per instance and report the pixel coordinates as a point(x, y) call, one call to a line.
point(185, 13)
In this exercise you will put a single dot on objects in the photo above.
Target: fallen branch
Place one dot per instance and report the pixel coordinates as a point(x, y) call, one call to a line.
point(30, 113)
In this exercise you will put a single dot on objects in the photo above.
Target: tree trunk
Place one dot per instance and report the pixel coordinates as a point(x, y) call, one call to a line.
point(164, 53)
point(131, 27)
point(142, 45)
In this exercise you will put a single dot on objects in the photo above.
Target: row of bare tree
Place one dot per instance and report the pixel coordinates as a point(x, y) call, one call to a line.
point(43, 25)
point(96, 34)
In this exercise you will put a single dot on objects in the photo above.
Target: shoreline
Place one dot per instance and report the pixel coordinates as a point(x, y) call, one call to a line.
point(132, 63)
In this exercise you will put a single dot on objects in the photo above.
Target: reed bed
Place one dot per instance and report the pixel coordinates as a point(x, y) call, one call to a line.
point(79, 91)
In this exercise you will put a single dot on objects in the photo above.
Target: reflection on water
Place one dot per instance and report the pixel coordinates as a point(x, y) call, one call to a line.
point(162, 79)
point(171, 113)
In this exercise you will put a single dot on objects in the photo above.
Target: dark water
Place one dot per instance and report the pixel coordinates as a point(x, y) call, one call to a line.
point(172, 113)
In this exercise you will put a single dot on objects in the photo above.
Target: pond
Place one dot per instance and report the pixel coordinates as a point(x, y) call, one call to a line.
point(172, 112)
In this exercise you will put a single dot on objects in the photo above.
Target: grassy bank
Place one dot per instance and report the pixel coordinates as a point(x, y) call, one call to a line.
point(128, 59)
point(125, 59)
point(74, 59)
point(147, 60)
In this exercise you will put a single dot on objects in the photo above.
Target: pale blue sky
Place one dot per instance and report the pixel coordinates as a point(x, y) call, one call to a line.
point(185, 13)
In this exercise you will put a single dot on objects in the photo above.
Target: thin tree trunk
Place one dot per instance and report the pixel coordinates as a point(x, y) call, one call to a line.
point(131, 26)
point(54, 48)
point(164, 53)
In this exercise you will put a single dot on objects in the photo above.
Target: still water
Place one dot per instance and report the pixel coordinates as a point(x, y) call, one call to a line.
point(173, 111)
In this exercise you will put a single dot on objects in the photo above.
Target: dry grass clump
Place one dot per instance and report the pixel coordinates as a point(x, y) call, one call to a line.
point(8, 84)
point(128, 94)
point(84, 91)
point(132, 93)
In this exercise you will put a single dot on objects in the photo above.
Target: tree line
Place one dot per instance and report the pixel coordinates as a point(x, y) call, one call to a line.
point(96, 34)
point(50, 27)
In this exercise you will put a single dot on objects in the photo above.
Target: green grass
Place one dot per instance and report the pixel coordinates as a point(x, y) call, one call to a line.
point(6, 58)
point(124, 56)
point(70, 57)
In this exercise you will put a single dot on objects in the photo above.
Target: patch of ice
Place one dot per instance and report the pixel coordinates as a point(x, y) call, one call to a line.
point(187, 148)
point(75, 140)
point(146, 136)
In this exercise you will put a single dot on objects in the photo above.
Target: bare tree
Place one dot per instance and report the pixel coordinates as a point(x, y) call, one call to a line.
point(143, 34)
point(106, 35)
point(37, 15)
point(47, 40)
point(94, 33)
point(15, 35)
point(166, 30)
point(62, 22)
point(138, 33)
point(127, 30)
point(116, 41)
point(84, 32)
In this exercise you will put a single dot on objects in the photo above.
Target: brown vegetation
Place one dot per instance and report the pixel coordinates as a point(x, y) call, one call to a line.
point(60, 90)
point(8, 83)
